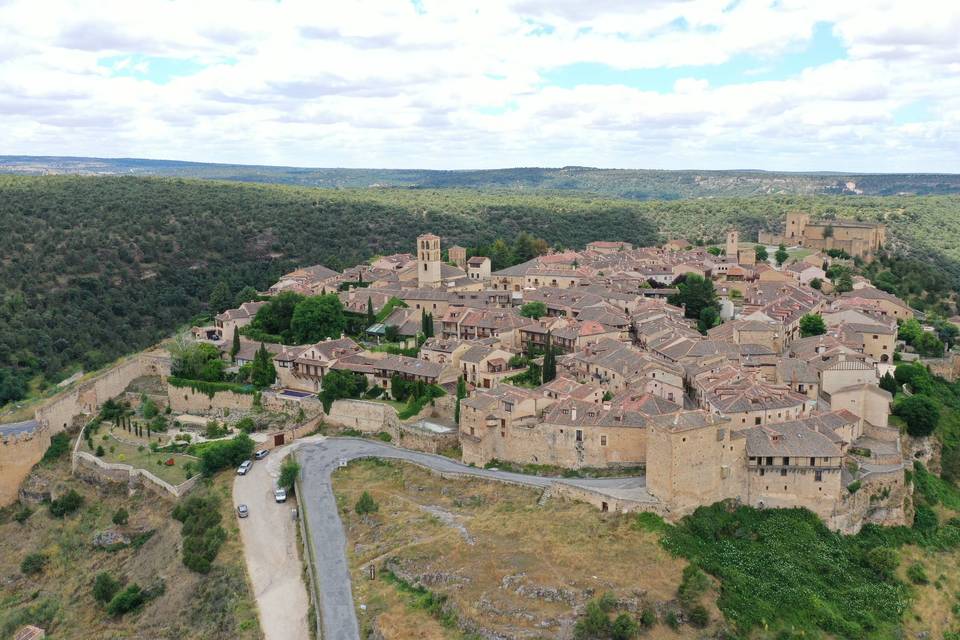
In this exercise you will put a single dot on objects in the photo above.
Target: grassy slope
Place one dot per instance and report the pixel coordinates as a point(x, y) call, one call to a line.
point(217, 605)
point(557, 545)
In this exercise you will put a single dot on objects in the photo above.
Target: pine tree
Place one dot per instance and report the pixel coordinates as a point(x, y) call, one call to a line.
point(235, 347)
point(263, 373)
point(461, 394)
point(549, 361)
point(221, 298)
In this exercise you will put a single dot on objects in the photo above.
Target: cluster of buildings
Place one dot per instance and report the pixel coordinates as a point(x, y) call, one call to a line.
point(751, 411)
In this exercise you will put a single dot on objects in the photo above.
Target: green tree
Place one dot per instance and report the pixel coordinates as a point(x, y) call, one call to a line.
point(501, 256)
point(275, 316)
point(317, 318)
point(366, 504)
point(549, 361)
point(235, 347)
point(919, 412)
point(220, 298)
point(760, 252)
point(246, 294)
point(339, 384)
point(709, 318)
point(371, 318)
point(888, 383)
point(812, 324)
point(289, 470)
point(781, 255)
point(130, 599)
point(844, 283)
point(121, 517)
point(928, 345)
point(263, 373)
point(533, 310)
point(694, 293)
point(624, 628)
point(33, 563)
point(391, 333)
point(816, 283)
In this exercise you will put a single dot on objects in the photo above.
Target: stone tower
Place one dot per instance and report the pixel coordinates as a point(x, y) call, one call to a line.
point(733, 240)
point(428, 260)
point(458, 256)
point(795, 227)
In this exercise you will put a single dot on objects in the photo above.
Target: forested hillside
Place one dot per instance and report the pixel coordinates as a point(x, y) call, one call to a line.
point(91, 268)
point(637, 184)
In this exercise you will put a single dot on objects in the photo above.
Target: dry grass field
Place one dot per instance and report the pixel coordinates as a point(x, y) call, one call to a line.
point(492, 559)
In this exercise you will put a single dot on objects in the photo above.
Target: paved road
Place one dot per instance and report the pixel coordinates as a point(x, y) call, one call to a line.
point(270, 549)
point(319, 459)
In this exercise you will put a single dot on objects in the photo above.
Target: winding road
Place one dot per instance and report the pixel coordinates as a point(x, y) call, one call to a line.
point(329, 542)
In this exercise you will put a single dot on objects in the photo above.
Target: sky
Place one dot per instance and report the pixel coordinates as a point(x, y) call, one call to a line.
point(787, 85)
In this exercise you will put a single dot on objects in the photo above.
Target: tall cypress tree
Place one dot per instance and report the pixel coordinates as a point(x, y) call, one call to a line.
point(371, 319)
point(235, 347)
point(549, 361)
point(263, 373)
point(461, 394)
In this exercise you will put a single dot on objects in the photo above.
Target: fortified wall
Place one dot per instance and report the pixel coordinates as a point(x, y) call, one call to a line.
point(189, 400)
point(67, 410)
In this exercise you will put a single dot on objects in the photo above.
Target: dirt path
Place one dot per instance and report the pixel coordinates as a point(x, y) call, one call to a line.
point(270, 549)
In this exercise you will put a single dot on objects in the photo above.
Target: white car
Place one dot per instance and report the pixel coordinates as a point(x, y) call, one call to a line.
point(261, 454)
point(280, 495)
point(242, 511)
point(244, 467)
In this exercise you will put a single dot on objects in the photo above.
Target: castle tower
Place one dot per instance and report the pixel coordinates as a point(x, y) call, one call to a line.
point(795, 227)
point(733, 239)
point(428, 260)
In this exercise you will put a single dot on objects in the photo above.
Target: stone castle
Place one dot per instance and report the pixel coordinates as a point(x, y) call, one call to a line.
point(858, 239)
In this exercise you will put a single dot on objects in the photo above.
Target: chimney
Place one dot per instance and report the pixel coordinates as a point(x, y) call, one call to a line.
point(573, 414)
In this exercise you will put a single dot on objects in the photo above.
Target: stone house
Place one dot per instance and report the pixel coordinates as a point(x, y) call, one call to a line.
point(231, 320)
point(484, 367)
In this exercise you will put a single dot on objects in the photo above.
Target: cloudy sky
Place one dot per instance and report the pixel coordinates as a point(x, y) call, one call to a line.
point(847, 85)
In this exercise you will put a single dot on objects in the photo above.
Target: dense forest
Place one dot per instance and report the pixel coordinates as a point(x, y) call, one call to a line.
point(639, 184)
point(95, 267)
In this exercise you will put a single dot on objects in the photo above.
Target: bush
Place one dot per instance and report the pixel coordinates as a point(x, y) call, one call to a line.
point(593, 624)
point(917, 574)
point(366, 504)
point(202, 534)
point(105, 587)
point(59, 446)
point(22, 514)
point(648, 618)
point(121, 517)
point(246, 424)
point(384, 436)
point(33, 563)
point(883, 560)
point(225, 454)
point(672, 620)
point(624, 627)
point(925, 519)
point(698, 616)
point(693, 585)
point(66, 504)
point(128, 600)
point(289, 471)
point(100, 452)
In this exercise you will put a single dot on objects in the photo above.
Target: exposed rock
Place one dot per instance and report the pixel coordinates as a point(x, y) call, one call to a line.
point(109, 538)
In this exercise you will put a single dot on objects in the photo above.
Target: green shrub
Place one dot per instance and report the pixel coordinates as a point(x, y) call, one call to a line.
point(105, 587)
point(698, 616)
point(224, 454)
point(917, 574)
point(121, 517)
point(289, 470)
point(883, 560)
point(202, 534)
point(128, 600)
point(593, 624)
point(648, 617)
point(925, 519)
point(384, 436)
point(22, 514)
point(623, 628)
point(246, 424)
point(33, 563)
point(366, 504)
point(66, 504)
point(100, 451)
point(693, 585)
point(672, 620)
point(59, 446)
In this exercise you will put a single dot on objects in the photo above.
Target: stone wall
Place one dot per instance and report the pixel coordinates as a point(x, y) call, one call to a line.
point(365, 416)
point(605, 502)
point(18, 454)
point(68, 410)
point(881, 499)
point(187, 400)
point(429, 442)
point(90, 466)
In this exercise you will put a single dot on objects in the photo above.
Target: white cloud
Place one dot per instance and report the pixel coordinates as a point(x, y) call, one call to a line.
point(457, 85)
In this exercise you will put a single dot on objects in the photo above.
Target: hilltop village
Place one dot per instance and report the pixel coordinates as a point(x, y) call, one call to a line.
point(595, 359)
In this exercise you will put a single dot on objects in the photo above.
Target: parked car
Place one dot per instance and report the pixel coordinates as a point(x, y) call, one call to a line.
point(244, 467)
point(261, 454)
point(242, 511)
point(280, 495)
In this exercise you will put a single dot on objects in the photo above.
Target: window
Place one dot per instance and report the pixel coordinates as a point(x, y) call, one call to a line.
point(813, 461)
point(770, 460)
point(603, 441)
point(756, 420)
point(818, 476)
point(579, 435)
point(786, 461)
point(783, 472)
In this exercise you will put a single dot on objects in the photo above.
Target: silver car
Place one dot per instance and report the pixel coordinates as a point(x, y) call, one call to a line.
point(242, 511)
point(280, 495)
point(244, 467)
